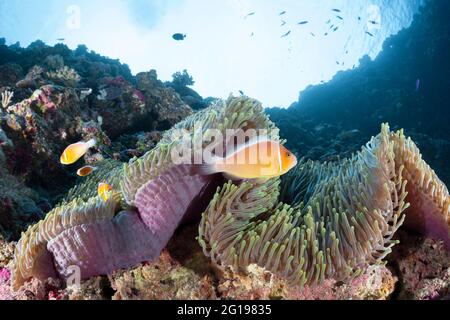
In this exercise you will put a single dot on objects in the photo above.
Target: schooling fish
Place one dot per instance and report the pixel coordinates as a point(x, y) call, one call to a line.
point(104, 191)
point(369, 33)
point(179, 36)
point(282, 13)
point(282, 23)
point(339, 17)
point(417, 85)
point(258, 158)
point(302, 22)
point(336, 10)
point(286, 34)
point(85, 171)
point(75, 151)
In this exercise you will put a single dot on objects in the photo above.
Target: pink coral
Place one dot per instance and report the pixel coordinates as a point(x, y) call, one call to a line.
point(5, 289)
point(5, 275)
point(44, 100)
point(138, 94)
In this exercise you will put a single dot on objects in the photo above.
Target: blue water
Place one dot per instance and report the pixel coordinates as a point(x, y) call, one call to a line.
point(224, 51)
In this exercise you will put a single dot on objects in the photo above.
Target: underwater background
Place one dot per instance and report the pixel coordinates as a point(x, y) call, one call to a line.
point(223, 38)
point(329, 74)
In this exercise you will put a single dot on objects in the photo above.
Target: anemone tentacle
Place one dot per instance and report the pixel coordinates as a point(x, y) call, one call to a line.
point(341, 217)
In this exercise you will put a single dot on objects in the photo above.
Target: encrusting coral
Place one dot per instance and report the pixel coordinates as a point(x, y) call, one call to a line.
point(65, 76)
point(321, 221)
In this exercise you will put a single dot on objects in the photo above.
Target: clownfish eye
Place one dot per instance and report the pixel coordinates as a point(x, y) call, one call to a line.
point(288, 154)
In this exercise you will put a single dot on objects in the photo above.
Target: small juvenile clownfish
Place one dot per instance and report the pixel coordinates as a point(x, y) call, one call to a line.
point(85, 171)
point(104, 191)
point(75, 151)
point(257, 159)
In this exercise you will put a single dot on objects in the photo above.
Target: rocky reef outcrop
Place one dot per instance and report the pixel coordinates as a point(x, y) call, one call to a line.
point(53, 96)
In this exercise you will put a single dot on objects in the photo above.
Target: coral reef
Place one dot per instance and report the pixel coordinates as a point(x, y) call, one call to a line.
point(19, 206)
point(64, 76)
point(424, 266)
point(167, 279)
point(341, 219)
point(183, 272)
point(50, 98)
point(370, 225)
point(6, 252)
point(181, 83)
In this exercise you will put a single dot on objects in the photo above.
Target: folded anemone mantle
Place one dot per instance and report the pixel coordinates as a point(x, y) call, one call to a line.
point(320, 221)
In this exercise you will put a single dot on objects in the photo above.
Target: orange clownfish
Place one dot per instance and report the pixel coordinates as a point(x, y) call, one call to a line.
point(75, 151)
point(104, 191)
point(260, 158)
point(85, 171)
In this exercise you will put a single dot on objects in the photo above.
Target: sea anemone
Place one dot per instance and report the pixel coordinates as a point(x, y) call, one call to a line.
point(341, 217)
point(321, 221)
